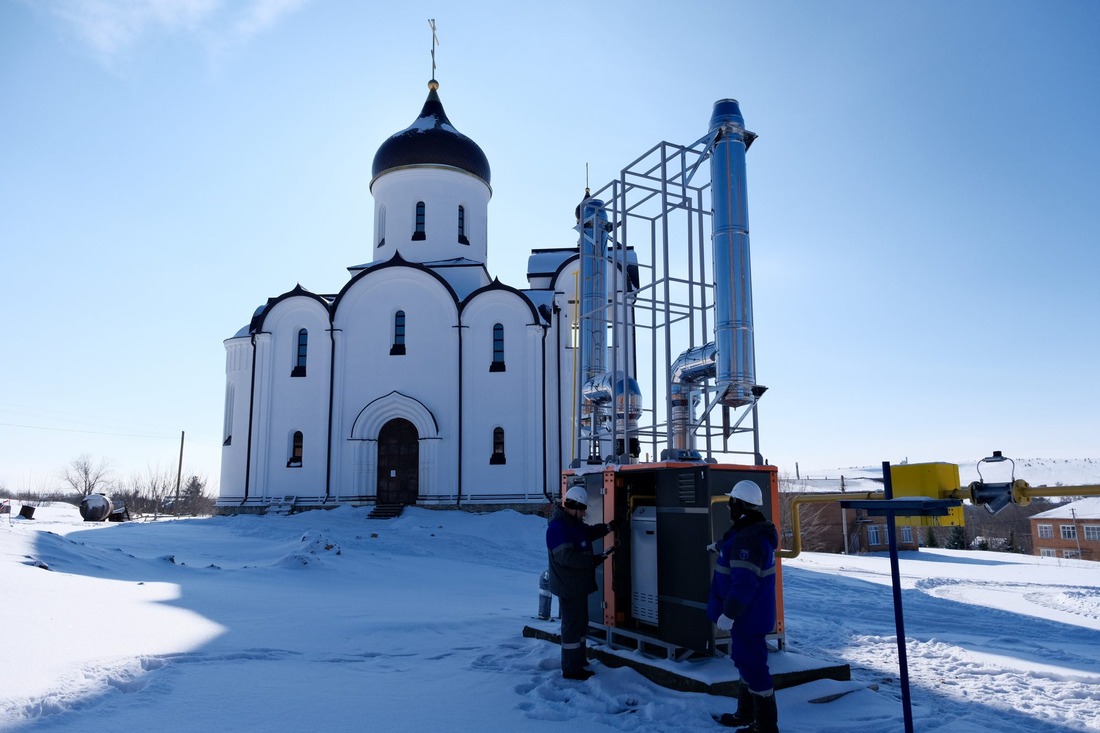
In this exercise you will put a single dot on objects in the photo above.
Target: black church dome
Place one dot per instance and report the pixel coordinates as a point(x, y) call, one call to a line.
point(431, 139)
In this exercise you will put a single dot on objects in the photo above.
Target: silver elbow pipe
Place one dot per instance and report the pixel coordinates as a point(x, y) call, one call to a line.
point(690, 368)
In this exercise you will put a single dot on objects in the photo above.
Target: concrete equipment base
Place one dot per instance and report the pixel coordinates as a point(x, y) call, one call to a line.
point(709, 675)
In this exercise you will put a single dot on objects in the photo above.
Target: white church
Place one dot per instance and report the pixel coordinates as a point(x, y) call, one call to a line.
point(424, 381)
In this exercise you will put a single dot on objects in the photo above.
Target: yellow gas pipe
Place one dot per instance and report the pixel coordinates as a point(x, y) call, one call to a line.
point(796, 522)
point(1022, 493)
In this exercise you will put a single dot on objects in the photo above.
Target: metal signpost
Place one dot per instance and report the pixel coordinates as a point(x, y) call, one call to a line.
point(890, 508)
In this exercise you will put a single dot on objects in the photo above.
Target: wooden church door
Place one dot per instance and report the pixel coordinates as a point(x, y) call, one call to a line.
point(398, 462)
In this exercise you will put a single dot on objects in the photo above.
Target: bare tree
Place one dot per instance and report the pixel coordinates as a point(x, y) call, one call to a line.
point(160, 485)
point(145, 492)
point(149, 490)
point(85, 475)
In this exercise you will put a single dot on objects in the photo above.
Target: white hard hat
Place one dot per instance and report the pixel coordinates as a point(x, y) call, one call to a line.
point(748, 492)
point(577, 494)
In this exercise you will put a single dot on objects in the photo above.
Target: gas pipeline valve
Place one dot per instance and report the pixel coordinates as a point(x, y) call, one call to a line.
point(995, 496)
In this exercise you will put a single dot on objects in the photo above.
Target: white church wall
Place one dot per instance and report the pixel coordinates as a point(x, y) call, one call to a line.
point(508, 398)
point(367, 371)
point(442, 190)
point(298, 399)
point(238, 372)
point(258, 477)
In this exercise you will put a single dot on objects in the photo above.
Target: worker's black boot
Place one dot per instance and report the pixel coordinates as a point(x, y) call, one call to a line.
point(765, 715)
point(744, 714)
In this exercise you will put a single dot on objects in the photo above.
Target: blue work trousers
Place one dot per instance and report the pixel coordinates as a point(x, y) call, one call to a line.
point(574, 633)
point(749, 652)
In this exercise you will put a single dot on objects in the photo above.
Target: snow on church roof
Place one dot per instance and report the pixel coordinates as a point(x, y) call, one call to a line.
point(545, 262)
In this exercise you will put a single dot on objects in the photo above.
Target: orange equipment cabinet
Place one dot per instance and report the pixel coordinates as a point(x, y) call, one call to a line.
point(658, 581)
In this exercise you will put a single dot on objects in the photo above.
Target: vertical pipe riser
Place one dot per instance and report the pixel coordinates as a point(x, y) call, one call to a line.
point(593, 296)
point(733, 330)
point(592, 249)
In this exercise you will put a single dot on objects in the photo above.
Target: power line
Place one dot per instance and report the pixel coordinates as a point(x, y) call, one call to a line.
point(89, 432)
point(98, 421)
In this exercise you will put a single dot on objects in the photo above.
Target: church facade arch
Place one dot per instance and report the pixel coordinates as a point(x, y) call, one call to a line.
point(364, 481)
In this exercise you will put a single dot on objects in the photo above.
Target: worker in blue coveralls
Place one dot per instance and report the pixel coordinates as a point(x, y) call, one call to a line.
point(742, 601)
point(573, 576)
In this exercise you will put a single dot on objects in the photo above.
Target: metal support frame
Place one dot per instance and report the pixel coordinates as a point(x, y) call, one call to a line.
point(648, 645)
point(660, 209)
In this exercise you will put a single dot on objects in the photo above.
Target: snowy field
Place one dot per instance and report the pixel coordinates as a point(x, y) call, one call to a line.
point(328, 621)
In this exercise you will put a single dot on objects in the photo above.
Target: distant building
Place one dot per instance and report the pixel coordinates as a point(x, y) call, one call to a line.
point(1069, 530)
point(825, 527)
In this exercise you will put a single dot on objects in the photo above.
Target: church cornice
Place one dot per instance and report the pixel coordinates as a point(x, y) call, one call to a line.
point(497, 286)
point(393, 262)
point(432, 166)
point(257, 323)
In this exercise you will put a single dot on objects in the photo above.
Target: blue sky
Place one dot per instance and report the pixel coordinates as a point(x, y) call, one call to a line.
point(922, 199)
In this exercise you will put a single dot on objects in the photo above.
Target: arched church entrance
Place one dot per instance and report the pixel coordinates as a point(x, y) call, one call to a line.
point(398, 462)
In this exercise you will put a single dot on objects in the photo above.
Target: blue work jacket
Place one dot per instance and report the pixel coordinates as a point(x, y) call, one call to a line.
point(743, 585)
point(572, 562)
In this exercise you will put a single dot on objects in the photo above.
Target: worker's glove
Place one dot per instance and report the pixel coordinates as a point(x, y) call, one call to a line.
point(724, 622)
point(598, 560)
point(614, 525)
point(713, 547)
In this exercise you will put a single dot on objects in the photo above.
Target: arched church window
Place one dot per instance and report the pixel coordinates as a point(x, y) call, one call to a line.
point(398, 348)
point(498, 447)
point(295, 450)
point(381, 226)
point(462, 239)
point(303, 346)
point(497, 365)
point(418, 233)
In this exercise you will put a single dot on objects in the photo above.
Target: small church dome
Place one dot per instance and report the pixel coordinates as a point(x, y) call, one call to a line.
point(431, 139)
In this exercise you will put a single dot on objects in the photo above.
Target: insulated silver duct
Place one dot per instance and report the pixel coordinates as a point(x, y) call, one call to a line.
point(609, 398)
point(736, 359)
point(730, 358)
point(619, 390)
point(593, 225)
point(690, 368)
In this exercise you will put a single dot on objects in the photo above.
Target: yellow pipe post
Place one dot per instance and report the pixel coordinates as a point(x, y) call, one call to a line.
point(796, 523)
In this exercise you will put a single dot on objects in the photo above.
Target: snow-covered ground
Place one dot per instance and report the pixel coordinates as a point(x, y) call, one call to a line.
point(329, 621)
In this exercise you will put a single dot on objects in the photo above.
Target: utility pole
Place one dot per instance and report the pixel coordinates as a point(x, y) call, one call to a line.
point(179, 473)
point(843, 518)
point(1076, 533)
